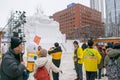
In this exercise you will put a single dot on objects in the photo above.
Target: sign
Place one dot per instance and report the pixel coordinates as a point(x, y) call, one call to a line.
point(6, 36)
point(37, 39)
point(70, 5)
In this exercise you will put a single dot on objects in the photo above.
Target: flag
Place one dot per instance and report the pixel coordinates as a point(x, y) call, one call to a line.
point(37, 39)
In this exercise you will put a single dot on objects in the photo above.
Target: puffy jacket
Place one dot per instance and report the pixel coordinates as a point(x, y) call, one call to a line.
point(45, 61)
point(56, 53)
point(112, 54)
point(91, 59)
point(11, 69)
point(79, 55)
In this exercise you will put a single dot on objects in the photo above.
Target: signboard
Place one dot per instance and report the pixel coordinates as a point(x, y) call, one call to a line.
point(37, 39)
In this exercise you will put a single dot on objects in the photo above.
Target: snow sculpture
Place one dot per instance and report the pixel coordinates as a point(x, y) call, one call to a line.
point(44, 27)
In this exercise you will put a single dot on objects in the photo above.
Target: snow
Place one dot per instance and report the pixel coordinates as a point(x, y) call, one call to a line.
point(44, 27)
point(48, 30)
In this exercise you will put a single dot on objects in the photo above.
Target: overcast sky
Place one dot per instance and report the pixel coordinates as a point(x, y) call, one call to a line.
point(48, 6)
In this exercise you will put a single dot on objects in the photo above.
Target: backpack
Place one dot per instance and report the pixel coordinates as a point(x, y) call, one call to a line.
point(113, 69)
point(42, 74)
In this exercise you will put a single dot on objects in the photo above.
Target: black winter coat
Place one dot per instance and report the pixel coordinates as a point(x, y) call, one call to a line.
point(11, 69)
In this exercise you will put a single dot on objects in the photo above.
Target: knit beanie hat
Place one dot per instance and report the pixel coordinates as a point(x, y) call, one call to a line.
point(15, 42)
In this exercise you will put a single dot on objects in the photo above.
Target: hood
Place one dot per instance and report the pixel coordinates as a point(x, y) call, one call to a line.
point(114, 52)
point(41, 61)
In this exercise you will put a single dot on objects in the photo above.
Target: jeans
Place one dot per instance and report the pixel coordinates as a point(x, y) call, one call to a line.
point(78, 68)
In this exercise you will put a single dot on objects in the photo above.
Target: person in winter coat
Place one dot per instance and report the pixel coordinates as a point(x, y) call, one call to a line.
point(78, 60)
point(113, 54)
point(91, 60)
point(56, 53)
point(38, 50)
point(43, 60)
point(100, 66)
point(11, 67)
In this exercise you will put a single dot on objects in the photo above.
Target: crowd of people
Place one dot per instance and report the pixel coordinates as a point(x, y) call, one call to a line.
point(95, 59)
point(99, 60)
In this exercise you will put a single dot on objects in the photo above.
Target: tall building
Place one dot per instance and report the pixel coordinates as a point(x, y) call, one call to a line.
point(99, 5)
point(113, 18)
point(94, 4)
point(79, 22)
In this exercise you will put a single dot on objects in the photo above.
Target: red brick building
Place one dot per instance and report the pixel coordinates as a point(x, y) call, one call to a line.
point(75, 18)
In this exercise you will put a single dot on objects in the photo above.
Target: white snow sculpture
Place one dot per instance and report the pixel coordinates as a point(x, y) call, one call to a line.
point(44, 27)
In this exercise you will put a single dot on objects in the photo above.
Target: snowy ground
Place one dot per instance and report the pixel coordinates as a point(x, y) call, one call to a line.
point(67, 67)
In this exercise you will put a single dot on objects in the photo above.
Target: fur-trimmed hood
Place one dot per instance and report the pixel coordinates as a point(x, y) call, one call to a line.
point(113, 53)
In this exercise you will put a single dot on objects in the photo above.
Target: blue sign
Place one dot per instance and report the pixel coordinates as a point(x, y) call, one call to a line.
point(70, 5)
point(6, 36)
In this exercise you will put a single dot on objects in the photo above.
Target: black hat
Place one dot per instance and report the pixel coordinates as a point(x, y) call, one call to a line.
point(56, 44)
point(15, 42)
